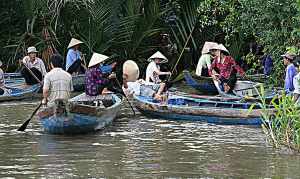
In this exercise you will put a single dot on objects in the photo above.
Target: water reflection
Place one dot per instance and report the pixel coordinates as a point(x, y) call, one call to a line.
point(137, 147)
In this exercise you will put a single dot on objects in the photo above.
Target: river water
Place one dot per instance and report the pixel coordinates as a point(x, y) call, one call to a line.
point(139, 147)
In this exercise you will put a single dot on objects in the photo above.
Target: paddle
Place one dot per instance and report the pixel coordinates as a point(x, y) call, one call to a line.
point(37, 79)
point(119, 84)
point(24, 125)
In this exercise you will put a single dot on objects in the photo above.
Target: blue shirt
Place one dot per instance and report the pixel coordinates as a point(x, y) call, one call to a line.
point(291, 71)
point(106, 69)
point(72, 56)
point(268, 65)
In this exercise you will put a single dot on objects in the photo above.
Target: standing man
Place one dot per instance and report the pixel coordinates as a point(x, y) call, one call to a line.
point(34, 67)
point(153, 69)
point(57, 83)
point(290, 73)
point(74, 62)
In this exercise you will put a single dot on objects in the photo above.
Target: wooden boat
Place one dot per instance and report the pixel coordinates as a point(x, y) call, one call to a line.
point(78, 80)
point(185, 108)
point(249, 90)
point(19, 92)
point(81, 114)
point(200, 83)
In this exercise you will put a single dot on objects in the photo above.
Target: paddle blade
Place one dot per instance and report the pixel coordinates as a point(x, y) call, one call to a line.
point(25, 124)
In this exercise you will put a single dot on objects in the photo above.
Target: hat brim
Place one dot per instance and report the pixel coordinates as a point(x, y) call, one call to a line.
point(161, 60)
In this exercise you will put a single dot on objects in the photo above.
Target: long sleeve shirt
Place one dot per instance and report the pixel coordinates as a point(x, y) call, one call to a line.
point(226, 67)
point(37, 63)
point(204, 62)
point(72, 56)
point(93, 79)
point(291, 72)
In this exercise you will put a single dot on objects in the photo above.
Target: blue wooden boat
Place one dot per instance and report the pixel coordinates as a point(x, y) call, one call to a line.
point(200, 83)
point(185, 108)
point(78, 80)
point(19, 92)
point(81, 114)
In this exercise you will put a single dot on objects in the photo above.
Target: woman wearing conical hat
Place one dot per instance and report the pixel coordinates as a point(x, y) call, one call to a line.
point(204, 62)
point(224, 68)
point(96, 81)
point(153, 69)
point(73, 63)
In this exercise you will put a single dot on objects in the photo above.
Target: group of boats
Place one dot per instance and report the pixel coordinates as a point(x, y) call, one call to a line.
point(83, 113)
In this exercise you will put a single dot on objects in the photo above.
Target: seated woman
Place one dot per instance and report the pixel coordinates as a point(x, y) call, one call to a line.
point(204, 62)
point(95, 80)
point(224, 68)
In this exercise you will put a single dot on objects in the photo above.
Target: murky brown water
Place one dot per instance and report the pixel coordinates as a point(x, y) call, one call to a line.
point(137, 147)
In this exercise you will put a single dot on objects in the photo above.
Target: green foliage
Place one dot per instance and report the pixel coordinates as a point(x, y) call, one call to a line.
point(283, 125)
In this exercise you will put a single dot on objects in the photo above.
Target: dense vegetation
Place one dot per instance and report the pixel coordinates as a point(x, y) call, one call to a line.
point(131, 29)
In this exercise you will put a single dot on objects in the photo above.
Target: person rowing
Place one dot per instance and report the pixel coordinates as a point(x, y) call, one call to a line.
point(153, 69)
point(98, 80)
point(57, 83)
point(224, 68)
point(74, 61)
point(35, 69)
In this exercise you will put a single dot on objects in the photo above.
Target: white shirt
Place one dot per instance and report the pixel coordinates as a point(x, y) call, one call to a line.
point(38, 64)
point(204, 62)
point(2, 80)
point(150, 76)
point(133, 88)
point(59, 83)
point(296, 83)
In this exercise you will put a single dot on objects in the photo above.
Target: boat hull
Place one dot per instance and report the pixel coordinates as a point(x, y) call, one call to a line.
point(78, 119)
point(19, 93)
point(214, 113)
point(202, 84)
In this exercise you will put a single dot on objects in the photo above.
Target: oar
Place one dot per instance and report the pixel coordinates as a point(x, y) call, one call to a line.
point(24, 125)
point(33, 74)
point(119, 84)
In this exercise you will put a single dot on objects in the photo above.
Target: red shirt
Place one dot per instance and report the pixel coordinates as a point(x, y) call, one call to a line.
point(226, 68)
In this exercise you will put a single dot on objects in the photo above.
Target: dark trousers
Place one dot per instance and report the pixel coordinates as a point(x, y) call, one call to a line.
point(112, 85)
point(76, 67)
point(204, 72)
point(29, 79)
point(1, 91)
point(231, 81)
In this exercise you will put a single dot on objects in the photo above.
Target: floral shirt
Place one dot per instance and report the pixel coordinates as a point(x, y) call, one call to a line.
point(226, 67)
point(93, 79)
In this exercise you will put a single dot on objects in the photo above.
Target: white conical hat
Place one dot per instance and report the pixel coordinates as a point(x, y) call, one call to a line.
point(221, 47)
point(158, 55)
point(1, 63)
point(131, 69)
point(74, 42)
point(97, 58)
point(207, 46)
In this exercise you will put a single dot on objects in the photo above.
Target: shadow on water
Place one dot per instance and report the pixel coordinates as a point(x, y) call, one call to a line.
point(138, 147)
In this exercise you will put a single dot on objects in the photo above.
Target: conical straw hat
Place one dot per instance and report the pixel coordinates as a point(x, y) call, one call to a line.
point(207, 46)
point(160, 56)
point(131, 69)
point(1, 63)
point(97, 58)
point(74, 42)
point(221, 47)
